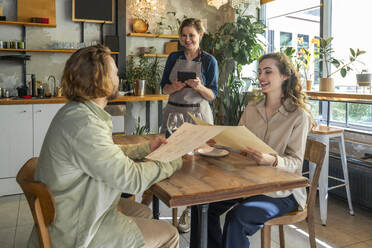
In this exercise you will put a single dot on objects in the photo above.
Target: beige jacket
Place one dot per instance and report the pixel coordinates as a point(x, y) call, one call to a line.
point(285, 132)
point(86, 173)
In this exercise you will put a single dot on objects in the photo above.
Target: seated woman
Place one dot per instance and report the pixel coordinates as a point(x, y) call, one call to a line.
point(282, 121)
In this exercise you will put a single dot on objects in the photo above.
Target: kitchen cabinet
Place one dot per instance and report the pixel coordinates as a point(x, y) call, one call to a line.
point(42, 117)
point(15, 144)
point(23, 130)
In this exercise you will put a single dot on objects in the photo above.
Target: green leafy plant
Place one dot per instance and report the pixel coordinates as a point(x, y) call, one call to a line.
point(233, 101)
point(129, 69)
point(140, 130)
point(300, 60)
point(178, 21)
point(161, 25)
point(144, 68)
point(154, 74)
point(293, 56)
point(233, 45)
point(326, 53)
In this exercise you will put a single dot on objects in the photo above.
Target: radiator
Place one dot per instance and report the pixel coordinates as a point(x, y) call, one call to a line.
point(360, 177)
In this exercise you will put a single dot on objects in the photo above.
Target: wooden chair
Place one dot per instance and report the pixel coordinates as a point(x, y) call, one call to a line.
point(40, 200)
point(315, 152)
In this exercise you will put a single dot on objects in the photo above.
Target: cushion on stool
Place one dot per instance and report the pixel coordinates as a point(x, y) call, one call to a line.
point(321, 129)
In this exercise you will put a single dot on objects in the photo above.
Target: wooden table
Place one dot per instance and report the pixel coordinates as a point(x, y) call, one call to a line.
point(203, 180)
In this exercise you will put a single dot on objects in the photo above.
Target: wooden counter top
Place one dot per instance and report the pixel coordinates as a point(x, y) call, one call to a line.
point(120, 99)
point(338, 96)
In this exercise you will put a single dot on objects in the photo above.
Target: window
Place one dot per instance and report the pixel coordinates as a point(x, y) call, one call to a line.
point(349, 31)
point(356, 15)
point(294, 24)
point(297, 23)
point(285, 39)
point(302, 41)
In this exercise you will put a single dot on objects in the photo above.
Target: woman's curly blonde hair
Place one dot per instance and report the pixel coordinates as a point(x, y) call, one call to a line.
point(291, 87)
point(86, 74)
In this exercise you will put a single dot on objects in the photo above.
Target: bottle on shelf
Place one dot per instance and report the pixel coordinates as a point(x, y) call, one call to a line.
point(33, 85)
point(40, 91)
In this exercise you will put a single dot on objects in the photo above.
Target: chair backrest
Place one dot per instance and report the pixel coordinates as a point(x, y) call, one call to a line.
point(40, 200)
point(315, 152)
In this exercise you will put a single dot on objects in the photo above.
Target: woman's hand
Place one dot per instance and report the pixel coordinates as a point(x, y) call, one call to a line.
point(155, 143)
point(259, 157)
point(197, 85)
point(173, 87)
point(194, 83)
point(211, 142)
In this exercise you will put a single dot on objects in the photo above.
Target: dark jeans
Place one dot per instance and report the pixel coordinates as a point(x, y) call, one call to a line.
point(245, 218)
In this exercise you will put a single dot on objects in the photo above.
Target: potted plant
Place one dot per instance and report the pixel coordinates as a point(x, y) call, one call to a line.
point(136, 74)
point(144, 72)
point(234, 44)
point(364, 78)
point(326, 53)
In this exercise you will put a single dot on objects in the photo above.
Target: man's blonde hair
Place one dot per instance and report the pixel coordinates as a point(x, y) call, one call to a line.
point(86, 74)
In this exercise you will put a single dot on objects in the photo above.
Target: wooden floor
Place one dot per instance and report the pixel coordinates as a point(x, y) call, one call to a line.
point(342, 230)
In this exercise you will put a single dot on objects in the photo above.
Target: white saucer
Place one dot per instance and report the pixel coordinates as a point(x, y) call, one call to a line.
point(212, 152)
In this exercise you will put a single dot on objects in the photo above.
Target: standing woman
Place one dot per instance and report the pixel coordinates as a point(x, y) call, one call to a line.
point(192, 95)
point(282, 121)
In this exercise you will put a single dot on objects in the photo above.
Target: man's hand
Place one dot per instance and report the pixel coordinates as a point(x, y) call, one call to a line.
point(259, 157)
point(155, 143)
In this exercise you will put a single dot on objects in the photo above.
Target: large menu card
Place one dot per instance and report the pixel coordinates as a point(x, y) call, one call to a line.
point(184, 140)
point(189, 136)
point(238, 137)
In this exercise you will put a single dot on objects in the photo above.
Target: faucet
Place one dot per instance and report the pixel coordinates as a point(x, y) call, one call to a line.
point(54, 84)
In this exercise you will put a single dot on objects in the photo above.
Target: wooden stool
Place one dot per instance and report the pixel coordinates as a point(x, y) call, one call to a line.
point(323, 134)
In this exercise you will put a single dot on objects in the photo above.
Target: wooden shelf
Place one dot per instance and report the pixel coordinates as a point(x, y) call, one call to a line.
point(28, 24)
point(44, 50)
point(147, 35)
point(156, 55)
point(338, 96)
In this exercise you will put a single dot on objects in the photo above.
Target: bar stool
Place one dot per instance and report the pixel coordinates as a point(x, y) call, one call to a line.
point(323, 134)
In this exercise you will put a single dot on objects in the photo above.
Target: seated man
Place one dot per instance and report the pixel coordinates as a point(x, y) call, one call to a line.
point(86, 172)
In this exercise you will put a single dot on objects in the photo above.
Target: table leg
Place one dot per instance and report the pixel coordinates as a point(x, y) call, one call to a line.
point(199, 226)
point(328, 112)
point(148, 114)
point(160, 114)
point(203, 225)
point(155, 207)
point(194, 232)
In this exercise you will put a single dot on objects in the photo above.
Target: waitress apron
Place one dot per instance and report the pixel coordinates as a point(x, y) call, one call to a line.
point(187, 99)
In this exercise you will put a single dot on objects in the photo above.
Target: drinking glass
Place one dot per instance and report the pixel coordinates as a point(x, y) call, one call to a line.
point(175, 120)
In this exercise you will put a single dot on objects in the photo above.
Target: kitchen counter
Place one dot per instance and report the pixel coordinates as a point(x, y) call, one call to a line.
point(120, 99)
